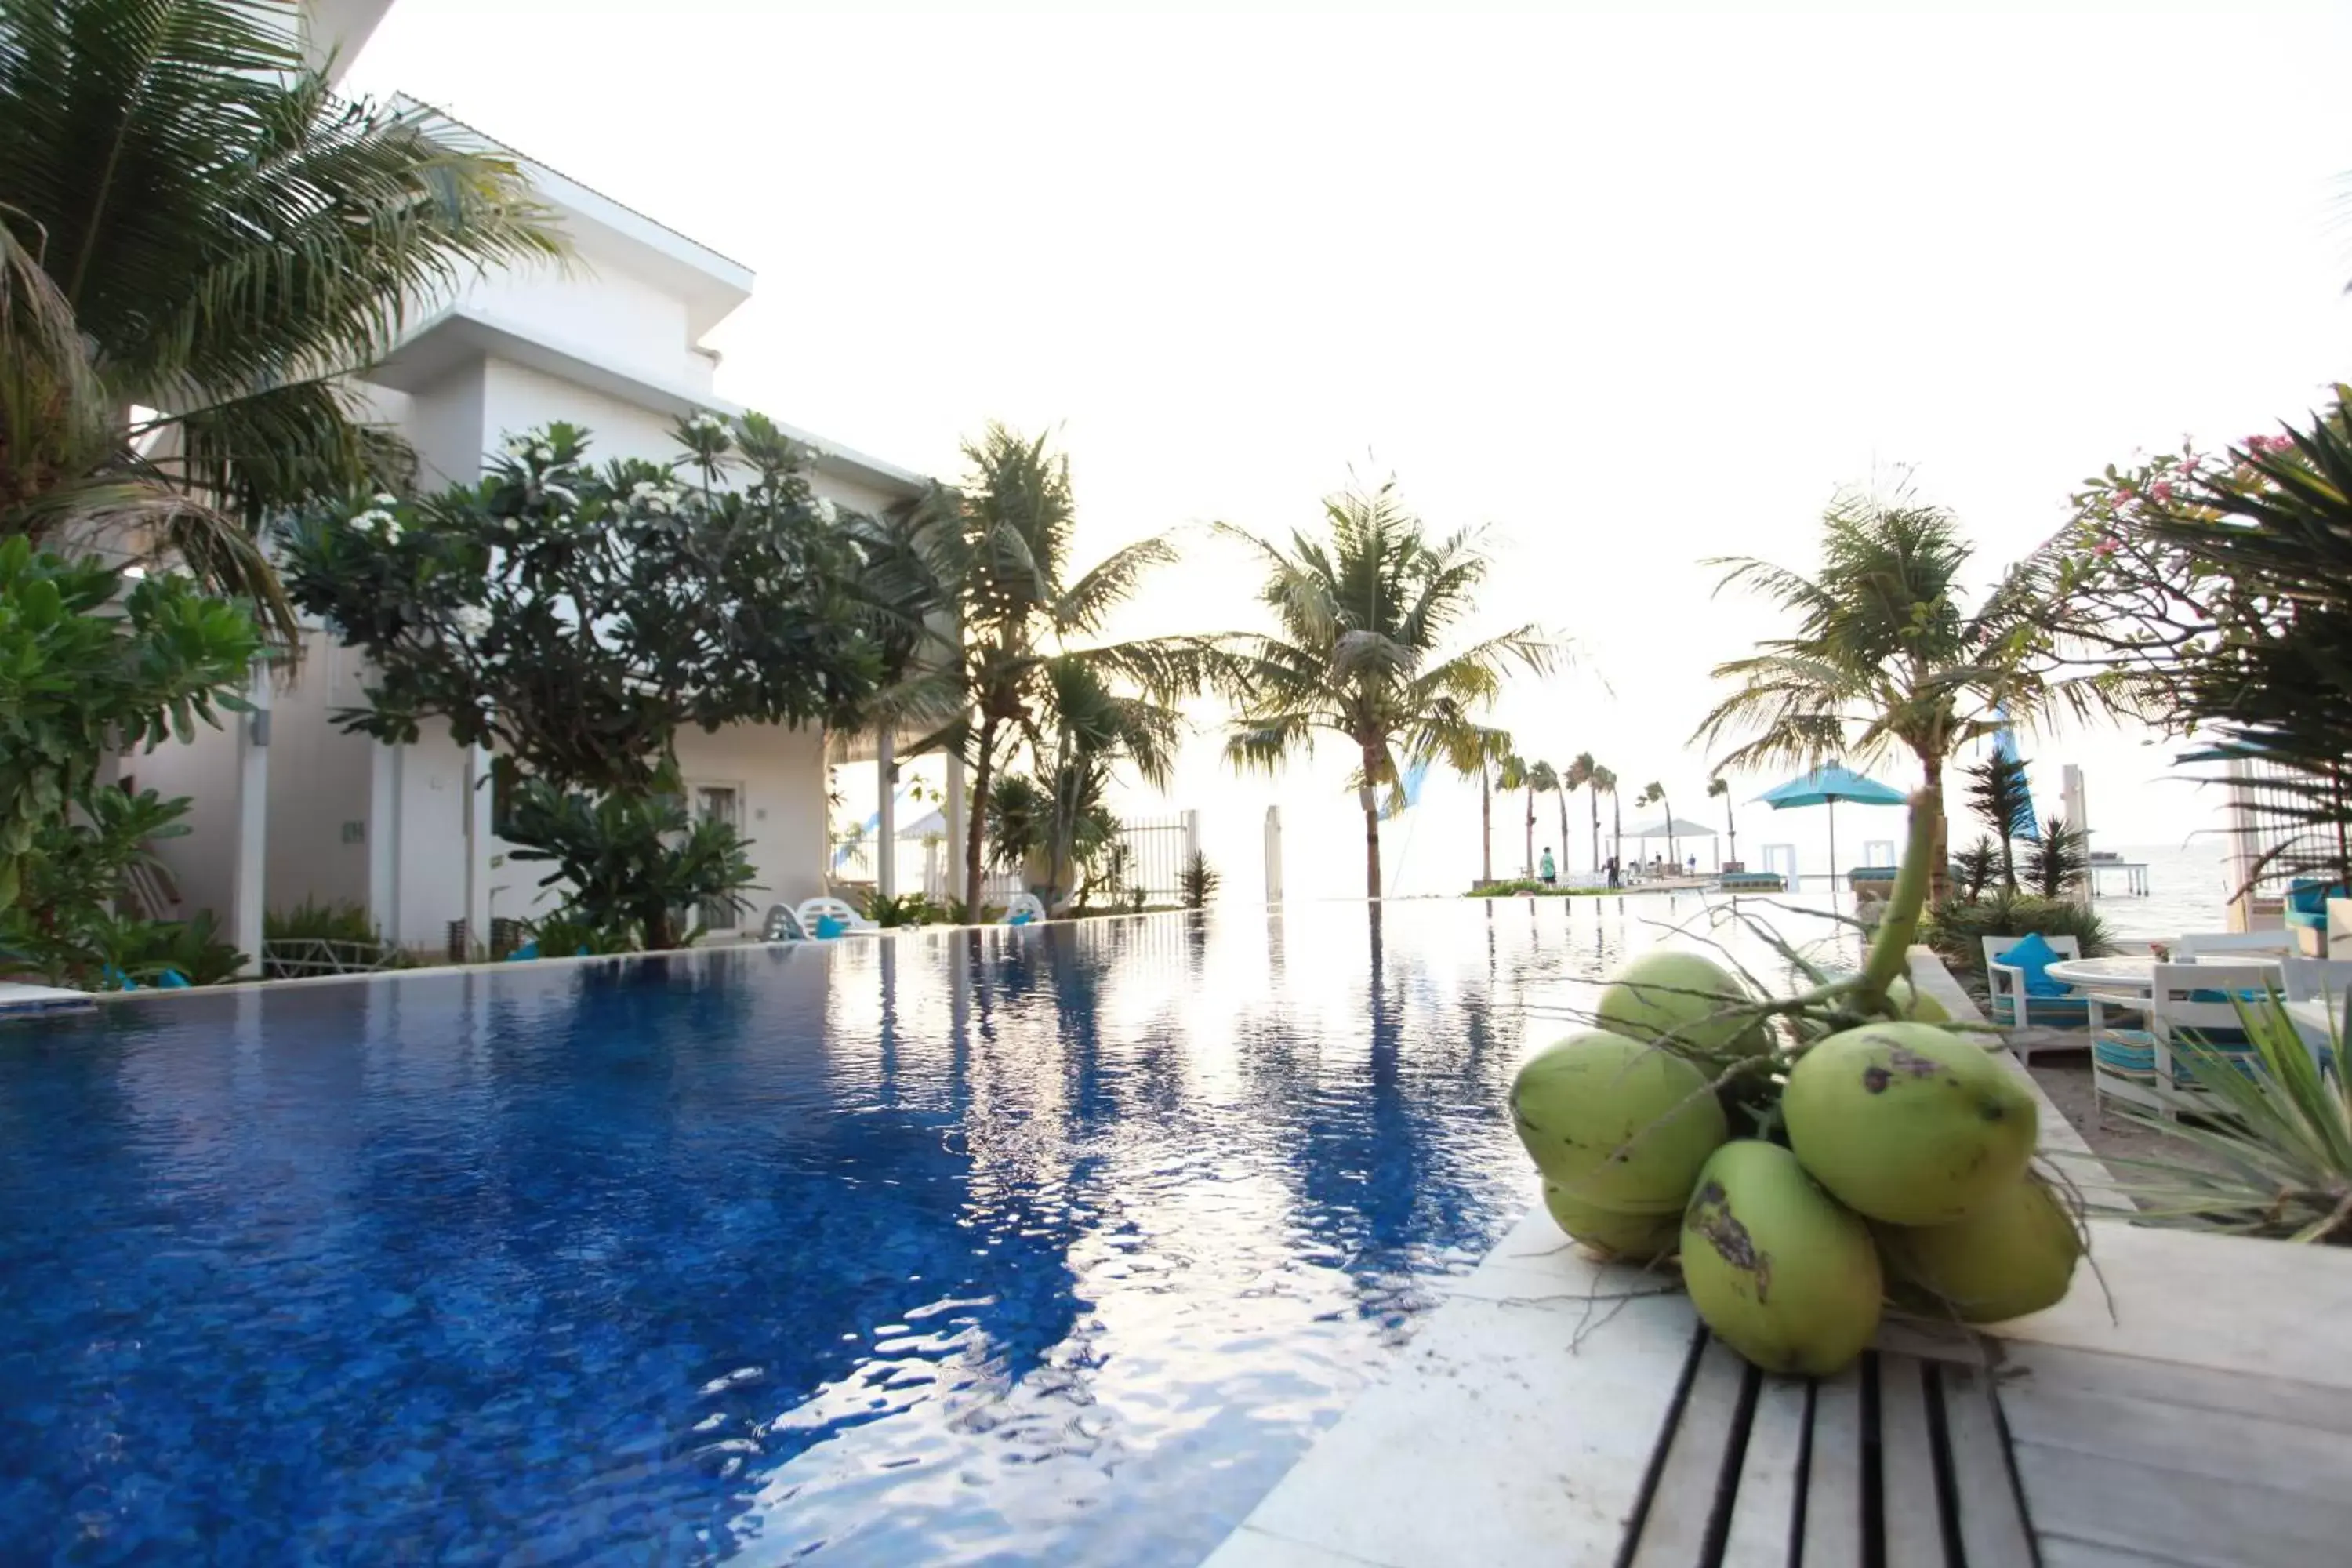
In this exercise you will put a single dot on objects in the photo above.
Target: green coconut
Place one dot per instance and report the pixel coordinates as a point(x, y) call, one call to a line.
point(1908, 1123)
point(1780, 1270)
point(1644, 1238)
point(1616, 1122)
point(1678, 995)
point(2014, 1255)
point(1915, 1005)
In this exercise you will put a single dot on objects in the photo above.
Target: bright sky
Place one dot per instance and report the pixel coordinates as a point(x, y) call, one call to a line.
point(1634, 290)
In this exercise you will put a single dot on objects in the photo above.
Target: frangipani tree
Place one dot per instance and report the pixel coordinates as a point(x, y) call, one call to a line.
point(1366, 615)
point(576, 618)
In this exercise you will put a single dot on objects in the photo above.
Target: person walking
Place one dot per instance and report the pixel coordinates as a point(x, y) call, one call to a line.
point(1614, 880)
point(1548, 869)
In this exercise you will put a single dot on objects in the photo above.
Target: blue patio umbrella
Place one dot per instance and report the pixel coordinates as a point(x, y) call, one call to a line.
point(1827, 785)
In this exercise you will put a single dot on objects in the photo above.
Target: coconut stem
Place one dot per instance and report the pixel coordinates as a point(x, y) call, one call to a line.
point(1890, 952)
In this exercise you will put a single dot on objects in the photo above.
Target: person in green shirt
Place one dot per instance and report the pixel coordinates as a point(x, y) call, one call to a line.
point(1549, 871)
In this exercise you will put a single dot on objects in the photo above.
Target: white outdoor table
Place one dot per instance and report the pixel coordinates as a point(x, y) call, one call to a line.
point(2129, 975)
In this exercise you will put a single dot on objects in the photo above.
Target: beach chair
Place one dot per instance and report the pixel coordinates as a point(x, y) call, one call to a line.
point(783, 925)
point(2021, 997)
point(2140, 1066)
point(1023, 909)
point(831, 917)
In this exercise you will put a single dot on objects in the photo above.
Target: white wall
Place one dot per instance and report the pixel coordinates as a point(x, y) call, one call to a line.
point(444, 424)
point(203, 862)
point(318, 783)
point(627, 320)
point(431, 844)
point(782, 774)
point(516, 398)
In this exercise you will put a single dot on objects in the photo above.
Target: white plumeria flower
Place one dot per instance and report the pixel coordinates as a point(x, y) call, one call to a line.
point(383, 499)
point(827, 510)
point(543, 451)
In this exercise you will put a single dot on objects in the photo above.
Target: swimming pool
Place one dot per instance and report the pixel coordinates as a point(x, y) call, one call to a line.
point(970, 1246)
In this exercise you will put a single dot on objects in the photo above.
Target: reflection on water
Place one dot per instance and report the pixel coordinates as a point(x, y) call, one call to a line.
point(984, 1245)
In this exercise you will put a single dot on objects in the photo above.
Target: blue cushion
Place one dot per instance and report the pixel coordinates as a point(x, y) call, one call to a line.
point(529, 949)
point(2223, 995)
point(828, 927)
point(1022, 918)
point(171, 980)
point(2035, 956)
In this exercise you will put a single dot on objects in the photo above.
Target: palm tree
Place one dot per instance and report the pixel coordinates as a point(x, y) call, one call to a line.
point(1014, 620)
point(1471, 749)
point(1541, 780)
point(1582, 773)
point(1719, 786)
point(1514, 776)
point(1563, 784)
point(1605, 783)
point(1884, 657)
point(1362, 650)
point(1655, 793)
point(232, 243)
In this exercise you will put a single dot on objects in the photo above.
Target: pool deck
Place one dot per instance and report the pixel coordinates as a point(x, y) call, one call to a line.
point(2184, 1405)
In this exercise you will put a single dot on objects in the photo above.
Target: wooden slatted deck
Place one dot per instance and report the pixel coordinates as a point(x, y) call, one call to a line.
point(1903, 1461)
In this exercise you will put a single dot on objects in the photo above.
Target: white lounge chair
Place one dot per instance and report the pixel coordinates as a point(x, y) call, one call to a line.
point(830, 908)
point(1023, 904)
point(2005, 986)
point(2237, 943)
point(2138, 1067)
point(783, 925)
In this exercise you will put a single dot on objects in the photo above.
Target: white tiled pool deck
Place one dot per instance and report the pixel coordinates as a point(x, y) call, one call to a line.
point(1517, 1427)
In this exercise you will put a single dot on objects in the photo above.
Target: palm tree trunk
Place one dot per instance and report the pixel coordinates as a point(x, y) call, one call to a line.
point(1485, 830)
point(1939, 861)
point(1563, 835)
point(1673, 852)
point(1731, 829)
point(1530, 852)
point(1616, 829)
point(1369, 796)
point(1593, 797)
point(976, 811)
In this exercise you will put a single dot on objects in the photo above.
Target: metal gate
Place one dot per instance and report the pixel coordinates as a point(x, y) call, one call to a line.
point(1151, 854)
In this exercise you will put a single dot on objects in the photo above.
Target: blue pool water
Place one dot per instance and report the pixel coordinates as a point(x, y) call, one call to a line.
point(985, 1246)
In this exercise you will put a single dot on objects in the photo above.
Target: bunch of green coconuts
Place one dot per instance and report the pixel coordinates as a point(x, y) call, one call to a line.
point(1892, 1160)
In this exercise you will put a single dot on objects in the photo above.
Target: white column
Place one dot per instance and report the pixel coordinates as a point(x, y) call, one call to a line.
point(886, 852)
point(249, 885)
point(384, 840)
point(1191, 836)
point(2078, 818)
point(1273, 854)
point(480, 848)
point(955, 817)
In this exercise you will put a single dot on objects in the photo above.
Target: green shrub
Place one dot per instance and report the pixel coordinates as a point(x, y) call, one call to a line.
point(1197, 881)
point(320, 922)
point(1956, 928)
point(904, 910)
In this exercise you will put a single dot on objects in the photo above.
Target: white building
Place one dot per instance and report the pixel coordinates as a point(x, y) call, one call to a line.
point(286, 807)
